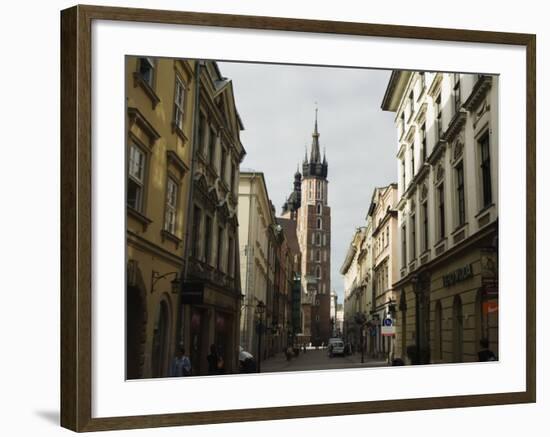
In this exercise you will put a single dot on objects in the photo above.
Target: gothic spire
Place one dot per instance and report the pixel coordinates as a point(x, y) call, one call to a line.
point(315, 155)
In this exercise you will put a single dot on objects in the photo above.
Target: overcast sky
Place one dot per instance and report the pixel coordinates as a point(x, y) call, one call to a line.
point(277, 107)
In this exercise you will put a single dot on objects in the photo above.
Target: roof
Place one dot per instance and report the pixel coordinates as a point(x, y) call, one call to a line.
point(395, 89)
point(289, 228)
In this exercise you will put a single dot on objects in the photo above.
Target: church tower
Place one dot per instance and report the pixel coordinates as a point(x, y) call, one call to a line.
point(313, 218)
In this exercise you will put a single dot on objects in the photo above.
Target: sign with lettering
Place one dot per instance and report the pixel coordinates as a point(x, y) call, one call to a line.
point(458, 275)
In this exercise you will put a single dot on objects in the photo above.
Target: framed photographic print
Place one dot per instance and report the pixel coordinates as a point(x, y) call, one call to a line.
point(256, 209)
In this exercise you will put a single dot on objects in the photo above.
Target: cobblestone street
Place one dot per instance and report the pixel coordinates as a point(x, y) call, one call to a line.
point(317, 360)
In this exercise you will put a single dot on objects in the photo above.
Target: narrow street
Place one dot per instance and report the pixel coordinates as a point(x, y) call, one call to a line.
point(317, 360)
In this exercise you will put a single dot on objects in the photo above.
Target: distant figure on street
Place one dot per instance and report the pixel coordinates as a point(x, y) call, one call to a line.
point(181, 365)
point(485, 354)
point(305, 349)
point(216, 365)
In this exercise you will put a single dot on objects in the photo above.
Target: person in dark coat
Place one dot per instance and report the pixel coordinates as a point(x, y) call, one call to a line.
point(212, 360)
point(485, 354)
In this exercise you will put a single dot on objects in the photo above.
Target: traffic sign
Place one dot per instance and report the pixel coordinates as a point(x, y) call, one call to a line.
point(388, 328)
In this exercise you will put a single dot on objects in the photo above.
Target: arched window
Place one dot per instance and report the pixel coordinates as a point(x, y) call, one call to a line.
point(318, 208)
point(318, 255)
point(318, 272)
point(319, 223)
point(458, 329)
point(438, 328)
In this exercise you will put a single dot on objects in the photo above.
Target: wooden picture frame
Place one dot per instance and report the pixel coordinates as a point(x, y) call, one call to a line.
point(76, 218)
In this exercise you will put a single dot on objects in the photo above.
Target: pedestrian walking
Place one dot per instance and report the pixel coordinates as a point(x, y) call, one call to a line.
point(485, 354)
point(181, 365)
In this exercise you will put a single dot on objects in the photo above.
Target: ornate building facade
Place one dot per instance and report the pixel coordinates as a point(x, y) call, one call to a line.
point(447, 142)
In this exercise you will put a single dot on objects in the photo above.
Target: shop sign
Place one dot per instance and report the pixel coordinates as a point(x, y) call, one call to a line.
point(458, 275)
point(490, 307)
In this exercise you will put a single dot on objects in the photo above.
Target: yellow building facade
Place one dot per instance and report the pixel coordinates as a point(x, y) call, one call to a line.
point(160, 95)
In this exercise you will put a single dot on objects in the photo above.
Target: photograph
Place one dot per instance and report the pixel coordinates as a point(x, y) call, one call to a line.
point(292, 218)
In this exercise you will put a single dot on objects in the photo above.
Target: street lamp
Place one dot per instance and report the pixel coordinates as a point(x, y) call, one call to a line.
point(175, 283)
point(360, 319)
point(260, 309)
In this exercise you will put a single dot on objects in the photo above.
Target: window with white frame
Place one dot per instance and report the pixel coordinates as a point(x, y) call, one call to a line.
point(136, 178)
point(404, 245)
point(318, 208)
point(485, 165)
point(425, 230)
point(179, 102)
point(318, 272)
point(456, 89)
point(146, 70)
point(319, 223)
point(438, 121)
point(413, 236)
point(441, 209)
point(461, 202)
point(171, 205)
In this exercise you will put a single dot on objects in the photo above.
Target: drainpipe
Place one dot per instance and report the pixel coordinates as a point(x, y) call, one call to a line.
point(249, 262)
point(189, 224)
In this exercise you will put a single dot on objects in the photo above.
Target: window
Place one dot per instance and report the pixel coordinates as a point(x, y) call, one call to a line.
point(318, 255)
point(318, 272)
point(403, 173)
point(222, 164)
point(422, 81)
point(461, 206)
point(413, 236)
point(319, 223)
point(171, 203)
point(207, 239)
point(457, 97)
point(212, 146)
point(146, 70)
point(403, 122)
point(423, 143)
point(486, 170)
point(196, 232)
point(412, 160)
point(179, 102)
point(404, 245)
point(202, 134)
point(220, 249)
point(441, 209)
point(318, 208)
point(136, 178)
point(387, 236)
point(438, 126)
point(230, 257)
point(318, 189)
point(318, 238)
point(232, 181)
point(425, 225)
point(411, 103)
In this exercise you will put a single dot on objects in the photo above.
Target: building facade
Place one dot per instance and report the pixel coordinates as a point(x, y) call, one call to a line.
point(211, 291)
point(447, 127)
point(160, 98)
point(383, 215)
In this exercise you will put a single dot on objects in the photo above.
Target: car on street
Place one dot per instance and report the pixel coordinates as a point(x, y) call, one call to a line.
point(336, 348)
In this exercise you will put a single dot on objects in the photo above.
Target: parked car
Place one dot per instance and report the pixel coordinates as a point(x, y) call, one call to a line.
point(247, 362)
point(336, 348)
